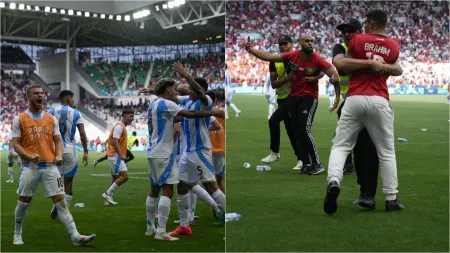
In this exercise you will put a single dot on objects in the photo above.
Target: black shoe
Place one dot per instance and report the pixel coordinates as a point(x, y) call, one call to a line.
point(330, 203)
point(348, 169)
point(393, 205)
point(367, 202)
point(316, 169)
point(305, 169)
point(54, 213)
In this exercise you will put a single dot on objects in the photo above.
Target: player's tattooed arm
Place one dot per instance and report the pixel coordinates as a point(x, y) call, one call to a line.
point(196, 88)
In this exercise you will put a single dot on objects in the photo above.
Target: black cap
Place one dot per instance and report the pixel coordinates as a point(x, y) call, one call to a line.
point(285, 38)
point(351, 22)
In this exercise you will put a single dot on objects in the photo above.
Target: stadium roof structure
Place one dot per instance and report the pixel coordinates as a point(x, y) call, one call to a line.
point(112, 23)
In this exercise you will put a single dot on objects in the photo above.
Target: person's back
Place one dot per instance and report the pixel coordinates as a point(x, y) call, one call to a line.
point(161, 114)
point(68, 118)
point(373, 47)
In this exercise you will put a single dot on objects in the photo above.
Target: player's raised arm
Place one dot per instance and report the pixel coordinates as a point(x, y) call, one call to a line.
point(262, 55)
point(196, 88)
point(201, 114)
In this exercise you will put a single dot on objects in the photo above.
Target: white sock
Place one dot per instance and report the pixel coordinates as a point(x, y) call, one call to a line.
point(183, 209)
point(226, 110)
point(234, 108)
point(150, 207)
point(192, 205)
point(68, 199)
point(163, 213)
point(205, 197)
point(20, 214)
point(112, 188)
point(10, 173)
point(66, 218)
point(271, 110)
point(219, 197)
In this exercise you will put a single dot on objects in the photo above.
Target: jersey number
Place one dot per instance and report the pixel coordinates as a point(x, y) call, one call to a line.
point(200, 172)
point(62, 125)
point(375, 57)
point(60, 183)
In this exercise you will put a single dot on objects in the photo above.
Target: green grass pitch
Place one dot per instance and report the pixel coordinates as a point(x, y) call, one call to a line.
point(283, 211)
point(119, 228)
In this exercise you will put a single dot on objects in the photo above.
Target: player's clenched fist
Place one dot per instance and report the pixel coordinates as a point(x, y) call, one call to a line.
point(58, 160)
point(34, 158)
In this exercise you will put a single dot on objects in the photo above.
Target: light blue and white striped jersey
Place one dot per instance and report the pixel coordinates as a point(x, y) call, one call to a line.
point(68, 119)
point(227, 79)
point(196, 130)
point(160, 115)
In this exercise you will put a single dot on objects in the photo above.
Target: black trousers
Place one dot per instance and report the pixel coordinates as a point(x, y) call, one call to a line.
point(366, 161)
point(302, 110)
point(281, 114)
point(129, 156)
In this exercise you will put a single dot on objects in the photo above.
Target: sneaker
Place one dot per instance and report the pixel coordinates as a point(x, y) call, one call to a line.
point(393, 205)
point(298, 166)
point(108, 198)
point(305, 169)
point(330, 203)
point(181, 231)
point(95, 162)
point(8, 181)
point(348, 169)
point(83, 239)
point(165, 237)
point(238, 114)
point(273, 157)
point(18, 239)
point(366, 202)
point(316, 169)
point(151, 230)
point(54, 213)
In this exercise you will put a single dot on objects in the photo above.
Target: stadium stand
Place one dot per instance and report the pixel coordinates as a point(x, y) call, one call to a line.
point(421, 29)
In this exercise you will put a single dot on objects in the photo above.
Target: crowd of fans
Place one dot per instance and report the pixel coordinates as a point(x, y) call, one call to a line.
point(421, 28)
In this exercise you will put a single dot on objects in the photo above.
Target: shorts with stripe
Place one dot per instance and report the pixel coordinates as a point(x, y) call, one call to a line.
point(14, 158)
point(45, 173)
point(163, 170)
point(218, 161)
point(69, 168)
point(196, 166)
point(116, 165)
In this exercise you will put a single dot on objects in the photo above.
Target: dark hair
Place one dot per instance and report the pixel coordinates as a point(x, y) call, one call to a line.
point(65, 93)
point(212, 95)
point(220, 94)
point(161, 86)
point(127, 111)
point(134, 133)
point(377, 16)
point(202, 82)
